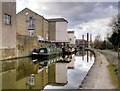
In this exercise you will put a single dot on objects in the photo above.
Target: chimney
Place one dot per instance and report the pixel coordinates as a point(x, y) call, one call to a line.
point(88, 39)
point(91, 40)
point(82, 37)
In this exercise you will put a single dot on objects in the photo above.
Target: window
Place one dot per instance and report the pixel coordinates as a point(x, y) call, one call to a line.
point(26, 13)
point(47, 36)
point(7, 19)
point(31, 32)
point(31, 24)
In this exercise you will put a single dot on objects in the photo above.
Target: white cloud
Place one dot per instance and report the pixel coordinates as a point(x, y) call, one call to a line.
point(82, 17)
point(98, 26)
point(72, 0)
point(21, 4)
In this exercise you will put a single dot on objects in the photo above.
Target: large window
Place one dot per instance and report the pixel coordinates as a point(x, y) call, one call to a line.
point(31, 24)
point(7, 19)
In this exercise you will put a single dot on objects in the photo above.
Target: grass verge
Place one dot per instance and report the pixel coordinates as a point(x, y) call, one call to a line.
point(113, 70)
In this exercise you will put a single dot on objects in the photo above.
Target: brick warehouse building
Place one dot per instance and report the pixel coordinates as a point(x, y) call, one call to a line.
point(32, 24)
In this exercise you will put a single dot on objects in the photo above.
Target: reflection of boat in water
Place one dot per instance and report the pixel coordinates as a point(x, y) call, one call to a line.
point(46, 52)
point(69, 51)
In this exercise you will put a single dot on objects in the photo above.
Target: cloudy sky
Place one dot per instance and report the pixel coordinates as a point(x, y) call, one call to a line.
point(83, 17)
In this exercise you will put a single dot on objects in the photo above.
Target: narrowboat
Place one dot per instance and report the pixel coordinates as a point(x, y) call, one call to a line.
point(46, 52)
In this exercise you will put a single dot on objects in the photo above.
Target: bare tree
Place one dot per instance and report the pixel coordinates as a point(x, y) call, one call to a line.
point(115, 36)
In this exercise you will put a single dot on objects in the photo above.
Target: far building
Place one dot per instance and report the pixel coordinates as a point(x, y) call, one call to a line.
point(32, 24)
point(80, 43)
point(71, 37)
point(58, 29)
point(7, 29)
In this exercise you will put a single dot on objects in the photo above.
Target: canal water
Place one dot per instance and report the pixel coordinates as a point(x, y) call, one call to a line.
point(55, 73)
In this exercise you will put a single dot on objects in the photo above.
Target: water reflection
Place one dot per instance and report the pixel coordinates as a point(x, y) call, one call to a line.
point(79, 71)
point(27, 73)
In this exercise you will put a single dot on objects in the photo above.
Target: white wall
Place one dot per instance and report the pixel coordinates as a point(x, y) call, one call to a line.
point(61, 72)
point(71, 35)
point(61, 31)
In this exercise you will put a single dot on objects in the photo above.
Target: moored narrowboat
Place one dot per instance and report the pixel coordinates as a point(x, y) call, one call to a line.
point(46, 52)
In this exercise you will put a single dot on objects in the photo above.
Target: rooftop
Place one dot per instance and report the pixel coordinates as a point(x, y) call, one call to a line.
point(70, 31)
point(57, 20)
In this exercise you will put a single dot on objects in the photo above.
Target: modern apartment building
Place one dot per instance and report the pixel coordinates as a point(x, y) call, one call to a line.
point(58, 29)
point(71, 37)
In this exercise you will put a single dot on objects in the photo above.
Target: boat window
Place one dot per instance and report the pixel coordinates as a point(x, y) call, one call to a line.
point(42, 51)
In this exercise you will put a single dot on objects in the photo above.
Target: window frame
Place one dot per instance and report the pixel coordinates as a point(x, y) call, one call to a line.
point(31, 24)
point(7, 19)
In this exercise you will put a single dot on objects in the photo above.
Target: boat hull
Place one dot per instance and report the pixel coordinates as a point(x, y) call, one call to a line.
point(45, 55)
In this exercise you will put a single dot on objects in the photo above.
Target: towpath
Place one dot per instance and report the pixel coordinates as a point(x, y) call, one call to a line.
point(98, 77)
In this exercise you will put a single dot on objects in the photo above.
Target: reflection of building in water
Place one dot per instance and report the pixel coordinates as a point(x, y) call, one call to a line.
point(91, 54)
point(8, 79)
point(81, 53)
point(85, 53)
point(61, 72)
point(23, 76)
point(71, 64)
point(57, 73)
point(24, 68)
point(31, 80)
point(80, 43)
point(51, 74)
point(87, 56)
point(67, 57)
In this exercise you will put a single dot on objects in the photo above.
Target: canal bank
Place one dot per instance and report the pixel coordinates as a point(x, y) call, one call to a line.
point(113, 67)
point(98, 76)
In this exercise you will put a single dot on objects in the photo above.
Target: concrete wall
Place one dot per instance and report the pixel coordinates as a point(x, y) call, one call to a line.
point(52, 31)
point(61, 31)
